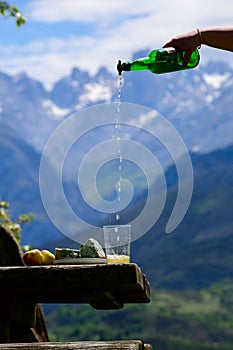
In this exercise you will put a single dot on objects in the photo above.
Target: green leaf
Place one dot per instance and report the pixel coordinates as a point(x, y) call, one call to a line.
point(12, 11)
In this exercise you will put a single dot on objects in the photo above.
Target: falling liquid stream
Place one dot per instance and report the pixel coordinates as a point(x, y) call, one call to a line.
point(118, 140)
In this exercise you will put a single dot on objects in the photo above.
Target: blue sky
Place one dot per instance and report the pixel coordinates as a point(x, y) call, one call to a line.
point(62, 34)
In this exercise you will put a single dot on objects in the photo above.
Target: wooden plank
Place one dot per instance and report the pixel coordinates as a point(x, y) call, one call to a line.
point(118, 283)
point(141, 295)
point(84, 345)
point(104, 300)
point(42, 278)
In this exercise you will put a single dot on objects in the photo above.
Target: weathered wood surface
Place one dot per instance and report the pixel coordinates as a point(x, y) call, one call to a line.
point(102, 286)
point(21, 320)
point(85, 345)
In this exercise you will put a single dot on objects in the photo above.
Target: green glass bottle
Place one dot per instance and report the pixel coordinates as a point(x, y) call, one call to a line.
point(159, 61)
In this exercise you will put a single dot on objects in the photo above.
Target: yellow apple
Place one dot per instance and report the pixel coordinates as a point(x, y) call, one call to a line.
point(47, 257)
point(32, 257)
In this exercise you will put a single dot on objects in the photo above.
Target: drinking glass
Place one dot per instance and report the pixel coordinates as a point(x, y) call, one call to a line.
point(117, 239)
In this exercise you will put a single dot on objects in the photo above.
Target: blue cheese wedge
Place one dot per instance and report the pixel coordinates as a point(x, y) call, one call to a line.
point(63, 253)
point(91, 249)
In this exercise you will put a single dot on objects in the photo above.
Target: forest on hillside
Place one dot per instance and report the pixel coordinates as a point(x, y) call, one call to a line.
point(174, 320)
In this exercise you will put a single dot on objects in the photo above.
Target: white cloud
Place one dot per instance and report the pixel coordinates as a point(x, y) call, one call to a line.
point(88, 10)
point(216, 80)
point(97, 11)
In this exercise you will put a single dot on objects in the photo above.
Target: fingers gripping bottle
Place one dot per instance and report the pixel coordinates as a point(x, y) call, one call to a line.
point(159, 61)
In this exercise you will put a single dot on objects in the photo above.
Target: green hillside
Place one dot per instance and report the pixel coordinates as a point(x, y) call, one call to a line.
point(174, 320)
point(200, 251)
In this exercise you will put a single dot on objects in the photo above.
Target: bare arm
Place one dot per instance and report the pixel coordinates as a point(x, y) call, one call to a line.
point(218, 37)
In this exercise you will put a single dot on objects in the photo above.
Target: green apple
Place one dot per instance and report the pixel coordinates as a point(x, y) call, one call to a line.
point(47, 257)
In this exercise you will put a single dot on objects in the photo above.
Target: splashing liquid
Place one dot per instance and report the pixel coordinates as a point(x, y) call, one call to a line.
point(118, 140)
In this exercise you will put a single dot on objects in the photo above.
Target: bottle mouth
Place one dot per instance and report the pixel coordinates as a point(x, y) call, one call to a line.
point(119, 67)
point(125, 66)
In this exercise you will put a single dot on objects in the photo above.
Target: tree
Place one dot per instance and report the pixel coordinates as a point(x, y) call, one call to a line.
point(11, 11)
point(13, 225)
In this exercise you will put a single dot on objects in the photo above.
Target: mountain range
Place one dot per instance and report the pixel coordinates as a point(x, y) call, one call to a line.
point(196, 102)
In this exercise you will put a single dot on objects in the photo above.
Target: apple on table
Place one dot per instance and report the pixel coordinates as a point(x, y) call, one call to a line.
point(32, 257)
point(35, 257)
point(47, 257)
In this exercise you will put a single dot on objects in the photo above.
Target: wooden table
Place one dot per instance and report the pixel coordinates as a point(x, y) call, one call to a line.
point(103, 286)
point(23, 288)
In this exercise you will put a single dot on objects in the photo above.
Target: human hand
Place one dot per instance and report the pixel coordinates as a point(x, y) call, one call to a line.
point(187, 42)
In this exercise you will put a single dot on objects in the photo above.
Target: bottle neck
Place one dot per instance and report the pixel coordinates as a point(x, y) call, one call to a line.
point(140, 64)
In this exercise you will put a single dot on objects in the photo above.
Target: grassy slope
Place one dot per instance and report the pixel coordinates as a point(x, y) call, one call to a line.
point(173, 320)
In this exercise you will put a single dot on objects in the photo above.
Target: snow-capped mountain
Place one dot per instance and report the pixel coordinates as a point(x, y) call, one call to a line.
point(34, 113)
point(197, 102)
